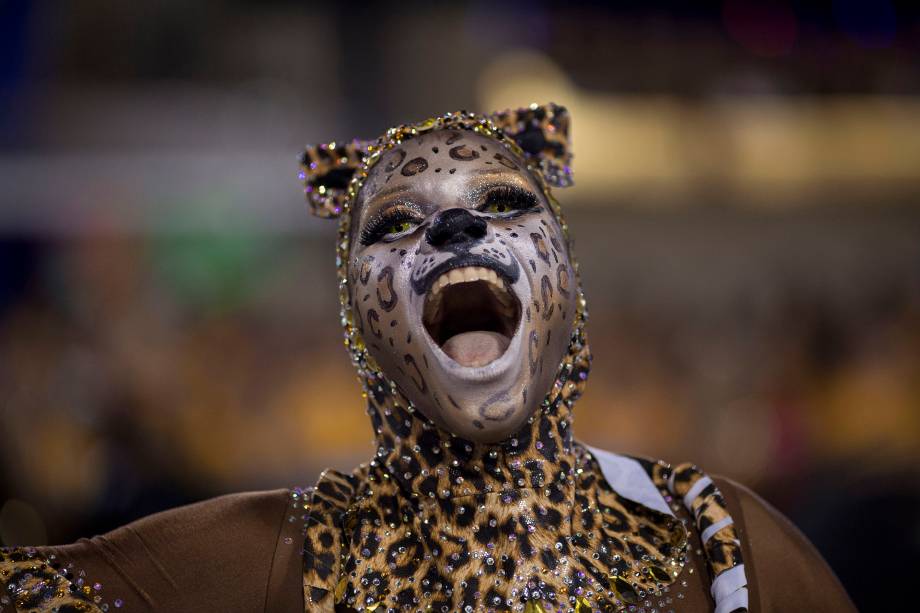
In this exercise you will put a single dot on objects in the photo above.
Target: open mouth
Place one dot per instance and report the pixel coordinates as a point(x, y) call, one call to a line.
point(471, 314)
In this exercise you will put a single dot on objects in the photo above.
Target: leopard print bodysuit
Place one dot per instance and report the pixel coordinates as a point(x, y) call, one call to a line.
point(437, 523)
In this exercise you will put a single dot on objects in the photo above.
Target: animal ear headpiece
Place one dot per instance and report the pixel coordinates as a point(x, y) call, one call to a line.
point(333, 173)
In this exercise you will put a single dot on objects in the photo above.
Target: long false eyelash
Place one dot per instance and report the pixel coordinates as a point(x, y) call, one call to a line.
point(375, 228)
point(516, 198)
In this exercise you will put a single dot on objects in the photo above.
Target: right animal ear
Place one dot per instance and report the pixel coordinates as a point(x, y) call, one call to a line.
point(326, 170)
point(542, 132)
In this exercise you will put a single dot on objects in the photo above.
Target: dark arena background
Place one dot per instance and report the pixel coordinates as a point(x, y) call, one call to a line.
point(746, 216)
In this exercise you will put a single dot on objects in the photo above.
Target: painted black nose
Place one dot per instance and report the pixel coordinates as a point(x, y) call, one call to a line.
point(455, 226)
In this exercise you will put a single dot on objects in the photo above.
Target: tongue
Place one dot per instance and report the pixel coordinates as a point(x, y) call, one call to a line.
point(476, 348)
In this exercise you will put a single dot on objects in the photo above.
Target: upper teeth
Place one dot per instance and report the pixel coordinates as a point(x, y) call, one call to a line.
point(505, 300)
point(467, 274)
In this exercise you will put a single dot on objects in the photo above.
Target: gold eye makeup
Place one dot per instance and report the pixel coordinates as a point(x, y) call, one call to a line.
point(506, 199)
point(391, 223)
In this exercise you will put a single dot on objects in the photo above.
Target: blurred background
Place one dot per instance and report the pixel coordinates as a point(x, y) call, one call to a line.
point(746, 215)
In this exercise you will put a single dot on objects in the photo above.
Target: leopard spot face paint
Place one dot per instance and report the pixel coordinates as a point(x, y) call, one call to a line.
point(456, 258)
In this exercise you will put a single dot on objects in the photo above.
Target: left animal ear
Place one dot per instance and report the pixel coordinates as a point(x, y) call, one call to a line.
point(542, 132)
point(326, 170)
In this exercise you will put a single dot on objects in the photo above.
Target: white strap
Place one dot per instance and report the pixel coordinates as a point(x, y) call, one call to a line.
point(712, 529)
point(736, 600)
point(628, 479)
point(728, 582)
point(701, 484)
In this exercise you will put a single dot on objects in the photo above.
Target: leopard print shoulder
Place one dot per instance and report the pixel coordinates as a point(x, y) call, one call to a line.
point(326, 507)
point(31, 582)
